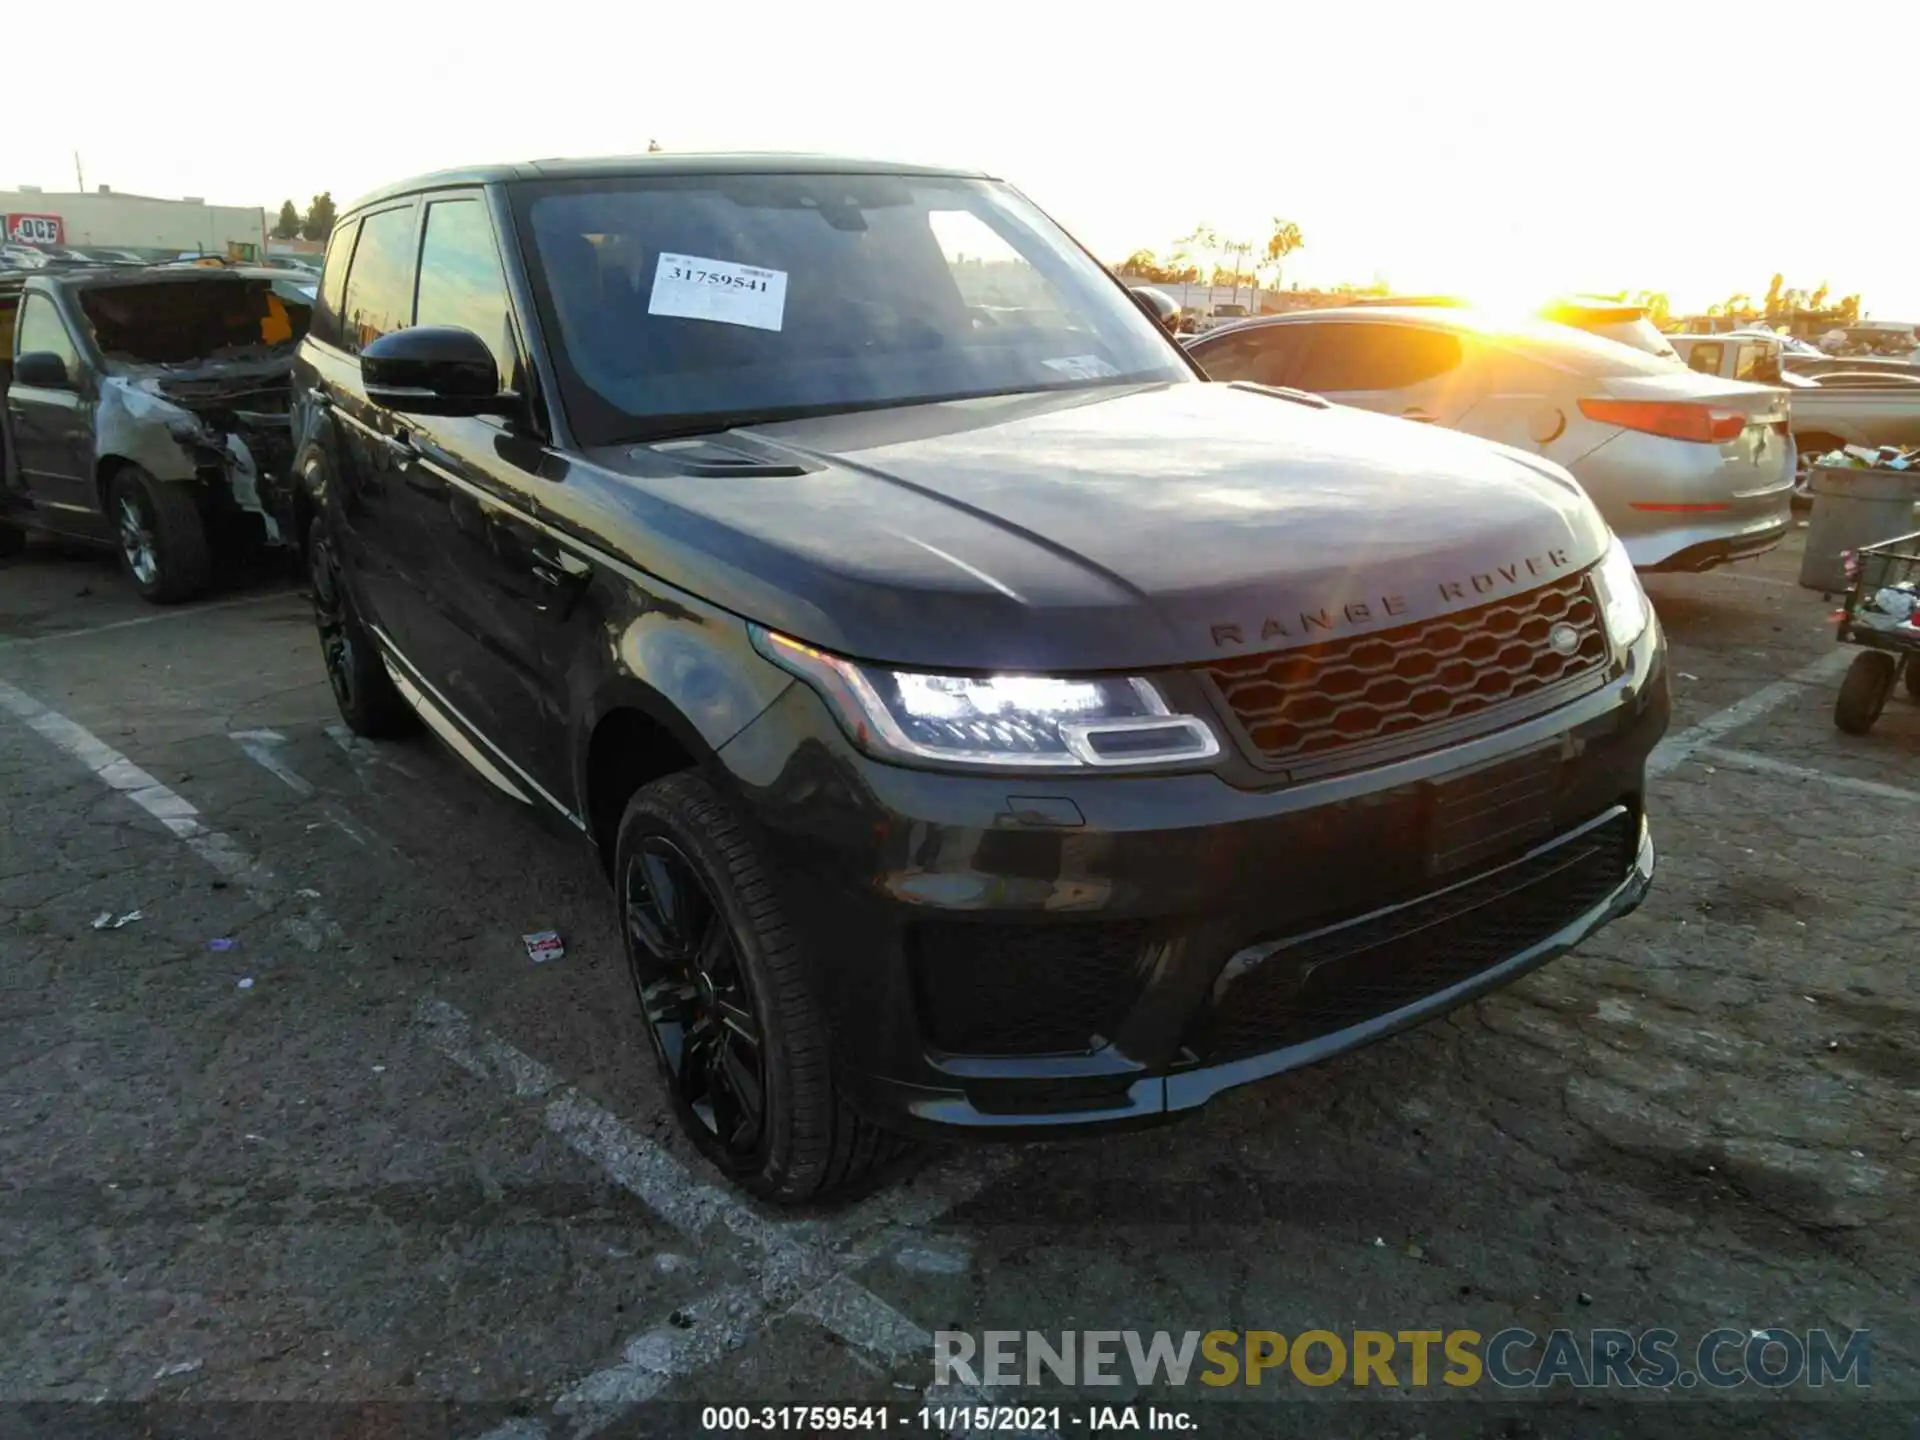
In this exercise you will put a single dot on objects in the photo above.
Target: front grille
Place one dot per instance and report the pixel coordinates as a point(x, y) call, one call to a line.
point(1298, 705)
point(1336, 978)
point(1025, 989)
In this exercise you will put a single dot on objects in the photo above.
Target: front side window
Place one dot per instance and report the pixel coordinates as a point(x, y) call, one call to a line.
point(1264, 354)
point(333, 282)
point(460, 279)
point(681, 303)
point(379, 295)
point(42, 329)
point(1376, 357)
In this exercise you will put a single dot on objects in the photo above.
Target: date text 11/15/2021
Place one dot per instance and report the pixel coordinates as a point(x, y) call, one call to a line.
point(945, 1419)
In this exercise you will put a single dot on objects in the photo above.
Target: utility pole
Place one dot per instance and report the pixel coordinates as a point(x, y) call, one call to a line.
point(79, 175)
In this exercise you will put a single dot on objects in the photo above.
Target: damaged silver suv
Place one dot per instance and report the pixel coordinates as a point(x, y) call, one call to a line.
point(146, 410)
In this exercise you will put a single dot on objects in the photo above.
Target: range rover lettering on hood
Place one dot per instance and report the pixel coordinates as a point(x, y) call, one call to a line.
point(1367, 613)
point(1115, 529)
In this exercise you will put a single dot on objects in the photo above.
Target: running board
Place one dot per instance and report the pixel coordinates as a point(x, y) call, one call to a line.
point(437, 720)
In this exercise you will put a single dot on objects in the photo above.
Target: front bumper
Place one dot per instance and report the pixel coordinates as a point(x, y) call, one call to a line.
point(1007, 953)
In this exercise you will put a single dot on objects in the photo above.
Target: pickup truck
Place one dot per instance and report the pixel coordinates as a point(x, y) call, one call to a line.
point(1826, 410)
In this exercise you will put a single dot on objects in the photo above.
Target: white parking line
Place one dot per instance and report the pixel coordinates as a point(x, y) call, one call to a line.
point(171, 809)
point(262, 747)
point(1771, 581)
point(801, 1268)
point(1806, 774)
point(363, 754)
point(176, 613)
point(1677, 749)
point(117, 772)
point(791, 1261)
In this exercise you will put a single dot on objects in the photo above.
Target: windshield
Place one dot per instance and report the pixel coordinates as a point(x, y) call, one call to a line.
point(690, 302)
point(1642, 334)
point(174, 321)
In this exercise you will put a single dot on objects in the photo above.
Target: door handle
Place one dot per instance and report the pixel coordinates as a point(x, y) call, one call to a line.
point(565, 573)
point(561, 569)
point(1417, 415)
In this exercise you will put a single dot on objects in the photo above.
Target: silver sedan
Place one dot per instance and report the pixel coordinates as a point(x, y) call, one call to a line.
point(1692, 471)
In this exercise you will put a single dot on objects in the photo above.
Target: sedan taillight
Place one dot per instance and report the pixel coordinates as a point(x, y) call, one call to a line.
point(1707, 424)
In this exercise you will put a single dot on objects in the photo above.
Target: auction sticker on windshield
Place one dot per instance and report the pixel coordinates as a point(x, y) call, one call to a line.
point(1083, 367)
point(695, 288)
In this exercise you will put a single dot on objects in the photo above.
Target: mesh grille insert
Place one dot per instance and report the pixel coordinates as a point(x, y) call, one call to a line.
point(1304, 703)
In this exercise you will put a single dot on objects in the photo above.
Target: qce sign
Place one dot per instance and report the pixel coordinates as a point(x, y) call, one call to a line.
point(36, 230)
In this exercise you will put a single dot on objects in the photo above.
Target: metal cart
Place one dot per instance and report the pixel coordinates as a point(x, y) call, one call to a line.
point(1890, 648)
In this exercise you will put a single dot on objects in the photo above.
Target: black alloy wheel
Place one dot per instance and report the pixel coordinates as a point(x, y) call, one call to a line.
point(730, 1000)
point(364, 691)
point(329, 618)
point(699, 1007)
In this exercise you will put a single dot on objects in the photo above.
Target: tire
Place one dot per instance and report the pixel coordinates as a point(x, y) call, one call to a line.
point(736, 948)
point(1863, 694)
point(161, 538)
point(12, 539)
point(1913, 676)
point(365, 693)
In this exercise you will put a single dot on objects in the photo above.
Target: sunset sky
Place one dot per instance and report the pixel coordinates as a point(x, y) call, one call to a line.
point(1499, 151)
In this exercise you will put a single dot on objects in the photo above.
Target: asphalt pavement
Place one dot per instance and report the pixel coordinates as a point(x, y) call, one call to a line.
point(311, 1145)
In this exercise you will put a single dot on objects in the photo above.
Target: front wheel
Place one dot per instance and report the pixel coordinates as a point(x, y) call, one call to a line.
point(162, 539)
point(728, 1000)
point(1863, 694)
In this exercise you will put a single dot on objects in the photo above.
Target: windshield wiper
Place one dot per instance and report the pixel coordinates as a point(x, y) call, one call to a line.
point(678, 427)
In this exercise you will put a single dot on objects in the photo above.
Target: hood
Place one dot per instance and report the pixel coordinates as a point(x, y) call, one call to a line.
point(1088, 530)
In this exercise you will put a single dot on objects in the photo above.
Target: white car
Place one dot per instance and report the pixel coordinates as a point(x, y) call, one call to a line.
point(1691, 470)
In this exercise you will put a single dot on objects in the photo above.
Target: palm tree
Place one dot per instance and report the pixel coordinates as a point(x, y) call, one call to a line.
point(1198, 243)
point(1284, 240)
point(1237, 251)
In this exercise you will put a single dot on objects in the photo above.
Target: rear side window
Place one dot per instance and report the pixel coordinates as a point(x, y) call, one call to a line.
point(41, 328)
point(379, 296)
point(1266, 354)
point(1707, 359)
point(333, 282)
point(1376, 357)
point(460, 279)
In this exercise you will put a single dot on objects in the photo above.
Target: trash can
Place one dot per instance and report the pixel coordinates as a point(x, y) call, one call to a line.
point(1852, 508)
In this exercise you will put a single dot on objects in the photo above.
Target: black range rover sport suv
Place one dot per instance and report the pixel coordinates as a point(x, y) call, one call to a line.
point(986, 724)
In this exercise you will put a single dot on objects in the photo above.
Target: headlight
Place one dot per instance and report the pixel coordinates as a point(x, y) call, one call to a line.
point(1623, 604)
point(996, 720)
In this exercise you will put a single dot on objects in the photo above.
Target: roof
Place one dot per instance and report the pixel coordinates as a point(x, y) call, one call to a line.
point(622, 166)
point(94, 277)
point(1435, 317)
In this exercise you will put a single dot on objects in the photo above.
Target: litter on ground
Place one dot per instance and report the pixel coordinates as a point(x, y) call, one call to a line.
point(543, 945)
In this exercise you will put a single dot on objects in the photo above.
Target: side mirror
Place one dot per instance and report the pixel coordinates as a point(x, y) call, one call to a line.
point(42, 369)
point(1160, 305)
point(434, 370)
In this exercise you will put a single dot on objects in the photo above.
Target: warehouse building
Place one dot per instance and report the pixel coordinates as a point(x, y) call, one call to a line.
point(107, 218)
